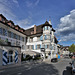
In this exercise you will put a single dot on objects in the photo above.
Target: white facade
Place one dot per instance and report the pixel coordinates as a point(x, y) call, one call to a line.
point(45, 40)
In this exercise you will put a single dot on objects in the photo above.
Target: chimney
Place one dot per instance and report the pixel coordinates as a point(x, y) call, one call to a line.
point(34, 29)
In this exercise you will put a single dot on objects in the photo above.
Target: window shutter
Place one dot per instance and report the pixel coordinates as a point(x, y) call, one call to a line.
point(33, 47)
point(40, 46)
point(45, 37)
point(45, 46)
point(36, 46)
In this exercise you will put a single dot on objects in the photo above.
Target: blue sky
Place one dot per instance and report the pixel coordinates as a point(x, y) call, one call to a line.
point(26, 13)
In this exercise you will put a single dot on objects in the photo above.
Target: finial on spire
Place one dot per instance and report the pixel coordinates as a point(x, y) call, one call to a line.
point(46, 19)
point(50, 21)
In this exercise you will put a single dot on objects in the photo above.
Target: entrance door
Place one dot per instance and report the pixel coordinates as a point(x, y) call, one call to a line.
point(10, 57)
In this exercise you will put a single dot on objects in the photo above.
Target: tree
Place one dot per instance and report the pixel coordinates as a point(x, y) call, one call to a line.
point(72, 48)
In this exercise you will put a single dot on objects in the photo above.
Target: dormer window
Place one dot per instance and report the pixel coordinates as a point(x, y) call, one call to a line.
point(46, 28)
point(2, 19)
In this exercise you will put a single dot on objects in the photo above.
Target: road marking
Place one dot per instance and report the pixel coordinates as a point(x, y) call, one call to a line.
point(28, 68)
point(19, 73)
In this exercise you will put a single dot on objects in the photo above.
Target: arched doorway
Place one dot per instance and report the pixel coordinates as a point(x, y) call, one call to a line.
point(10, 57)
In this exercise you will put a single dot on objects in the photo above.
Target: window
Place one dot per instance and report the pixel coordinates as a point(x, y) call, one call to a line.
point(31, 46)
point(38, 46)
point(28, 47)
point(50, 46)
point(9, 33)
point(45, 37)
point(45, 27)
point(4, 32)
point(1, 31)
point(12, 35)
point(19, 37)
point(45, 46)
point(16, 36)
point(2, 19)
point(23, 39)
point(22, 46)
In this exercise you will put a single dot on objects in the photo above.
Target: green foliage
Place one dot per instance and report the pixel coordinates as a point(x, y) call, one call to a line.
point(72, 48)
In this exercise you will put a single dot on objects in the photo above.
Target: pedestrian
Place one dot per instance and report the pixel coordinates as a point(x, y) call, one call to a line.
point(42, 57)
point(33, 57)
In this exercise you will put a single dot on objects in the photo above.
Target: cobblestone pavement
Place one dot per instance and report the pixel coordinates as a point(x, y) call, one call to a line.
point(38, 68)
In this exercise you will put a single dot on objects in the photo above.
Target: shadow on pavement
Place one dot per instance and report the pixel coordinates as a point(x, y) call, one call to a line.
point(43, 69)
point(67, 71)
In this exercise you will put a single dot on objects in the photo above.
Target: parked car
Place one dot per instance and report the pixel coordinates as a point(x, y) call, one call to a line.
point(72, 67)
point(66, 56)
point(70, 55)
point(54, 59)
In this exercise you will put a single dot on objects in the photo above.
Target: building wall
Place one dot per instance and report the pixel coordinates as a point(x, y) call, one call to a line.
point(14, 57)
point(45, 39)
point(14, 41)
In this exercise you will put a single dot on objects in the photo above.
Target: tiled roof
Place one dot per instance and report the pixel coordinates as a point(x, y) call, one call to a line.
point(39, 29)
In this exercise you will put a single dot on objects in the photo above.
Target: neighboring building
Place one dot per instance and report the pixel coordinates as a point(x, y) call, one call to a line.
point(12, 33)
point(41, 36)
point(63, 49)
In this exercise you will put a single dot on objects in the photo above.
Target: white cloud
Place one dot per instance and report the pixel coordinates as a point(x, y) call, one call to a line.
point(70, 37)
point(6, 11)
point(29, 27)
point(6, 7)
point(25, 22)
point(32, 4)
point(66, 28)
